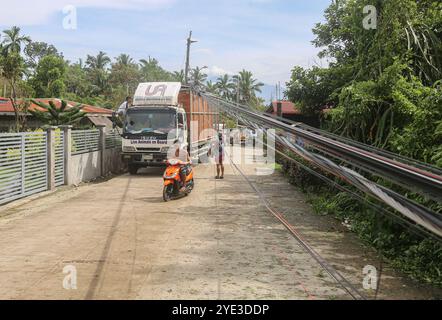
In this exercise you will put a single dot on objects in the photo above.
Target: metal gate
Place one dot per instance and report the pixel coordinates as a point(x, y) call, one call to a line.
point(23, 164)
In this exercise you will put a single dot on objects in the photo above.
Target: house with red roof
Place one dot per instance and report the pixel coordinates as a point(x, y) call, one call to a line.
point(94, 115)
point(291, 112)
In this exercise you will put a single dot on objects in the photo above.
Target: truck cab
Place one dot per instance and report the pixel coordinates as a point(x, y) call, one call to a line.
point(153, 125)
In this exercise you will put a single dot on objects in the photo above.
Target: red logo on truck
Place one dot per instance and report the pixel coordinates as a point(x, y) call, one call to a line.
point(156, 90)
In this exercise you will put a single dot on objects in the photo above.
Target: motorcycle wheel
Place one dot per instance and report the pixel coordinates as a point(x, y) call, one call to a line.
point(167, 193)
point(191, 188)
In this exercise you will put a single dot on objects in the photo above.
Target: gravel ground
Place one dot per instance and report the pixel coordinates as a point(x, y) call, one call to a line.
point(219, 243)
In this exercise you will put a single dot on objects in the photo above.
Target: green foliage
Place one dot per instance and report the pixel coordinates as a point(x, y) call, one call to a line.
point(57, 116)
point(382, 83)
point(312, 89)
point(35, 50)
point(13, 41)
point(151, 71)
point(225, 87)
point(198, 77)
point(420, 258)
point(11, 67)
point(246, 86)
point(48, 81)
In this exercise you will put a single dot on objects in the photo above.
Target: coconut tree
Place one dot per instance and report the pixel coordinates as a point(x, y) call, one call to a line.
point(225, 86)
point(99, 62)
point(124, 60)
point(152, 71)
point(197, 77)
point(96, 67)
point(211, 87)
point(13, 41)
point(246, 86)
point(179, 76)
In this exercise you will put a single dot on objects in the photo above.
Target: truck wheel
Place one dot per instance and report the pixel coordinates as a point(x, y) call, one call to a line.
point(133, 169)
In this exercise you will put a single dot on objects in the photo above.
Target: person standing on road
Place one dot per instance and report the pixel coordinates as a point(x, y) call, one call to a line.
point(217, 150)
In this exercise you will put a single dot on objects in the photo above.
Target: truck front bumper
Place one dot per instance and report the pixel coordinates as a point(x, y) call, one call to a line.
point(140, 160)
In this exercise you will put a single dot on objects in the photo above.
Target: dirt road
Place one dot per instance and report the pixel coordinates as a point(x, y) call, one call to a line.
point(124, 242)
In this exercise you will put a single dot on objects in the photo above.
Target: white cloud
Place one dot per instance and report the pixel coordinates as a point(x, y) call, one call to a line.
point(36, 12)
point(217, 71)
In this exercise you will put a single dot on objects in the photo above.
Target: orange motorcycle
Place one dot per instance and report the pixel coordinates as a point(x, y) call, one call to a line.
point(172, 180)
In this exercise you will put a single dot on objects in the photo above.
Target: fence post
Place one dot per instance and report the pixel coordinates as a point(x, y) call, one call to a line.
point(102, 145)
point(50, 149)
point(67, 152)
point(23, 162)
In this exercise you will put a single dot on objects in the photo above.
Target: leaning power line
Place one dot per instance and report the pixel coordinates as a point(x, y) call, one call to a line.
point(329, 153)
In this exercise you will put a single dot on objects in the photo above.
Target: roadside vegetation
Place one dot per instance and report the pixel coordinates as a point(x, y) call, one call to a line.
point(382, 87)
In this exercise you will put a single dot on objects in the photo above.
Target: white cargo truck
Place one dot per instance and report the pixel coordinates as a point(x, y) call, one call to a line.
point(164, 114)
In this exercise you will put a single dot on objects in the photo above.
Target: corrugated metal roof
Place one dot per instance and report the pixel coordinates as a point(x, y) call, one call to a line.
point(6, 106)
point(288, 107)
point(101, 120)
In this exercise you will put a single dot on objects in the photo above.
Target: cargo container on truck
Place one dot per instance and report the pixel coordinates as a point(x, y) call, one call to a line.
point(165, 114)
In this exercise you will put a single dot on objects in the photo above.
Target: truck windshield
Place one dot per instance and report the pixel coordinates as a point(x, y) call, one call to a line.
point(150, 121)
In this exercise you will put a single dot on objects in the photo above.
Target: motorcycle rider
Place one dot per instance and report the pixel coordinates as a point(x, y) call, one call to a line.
point(182, 155)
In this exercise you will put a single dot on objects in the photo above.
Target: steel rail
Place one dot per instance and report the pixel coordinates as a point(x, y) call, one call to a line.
point(366, 147)
point(416, 179)
point(415, 228)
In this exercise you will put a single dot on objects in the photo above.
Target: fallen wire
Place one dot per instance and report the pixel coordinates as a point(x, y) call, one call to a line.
point(417, 213)
point(340, 279)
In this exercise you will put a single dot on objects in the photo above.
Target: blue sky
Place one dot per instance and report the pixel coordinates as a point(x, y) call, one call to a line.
point(267, 37)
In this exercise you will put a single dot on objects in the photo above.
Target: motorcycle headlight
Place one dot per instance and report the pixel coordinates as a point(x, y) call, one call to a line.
point(173, 176)
point(129, 149)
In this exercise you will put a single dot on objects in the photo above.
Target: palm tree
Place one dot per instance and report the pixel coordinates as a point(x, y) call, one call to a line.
point(211, 87)
point(179, 76)
point(225, 86)
point(197, 77)
point(247, 86)
point(99, 62)
point(79, 63)
point(152, 71)
point(13, 40)
point(97, 72)
point(124, 60)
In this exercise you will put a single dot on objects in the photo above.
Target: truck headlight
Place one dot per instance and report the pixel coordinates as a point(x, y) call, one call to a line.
point(129, 149)
point(164, 149)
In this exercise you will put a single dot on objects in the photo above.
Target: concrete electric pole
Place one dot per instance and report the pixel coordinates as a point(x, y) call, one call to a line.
point(186, 72)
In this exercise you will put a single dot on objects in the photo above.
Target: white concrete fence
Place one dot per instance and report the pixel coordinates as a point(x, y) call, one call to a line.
point(32, 162)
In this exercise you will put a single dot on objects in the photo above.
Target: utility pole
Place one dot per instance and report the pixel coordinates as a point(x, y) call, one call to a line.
point(237, 92)
point(186, 72)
